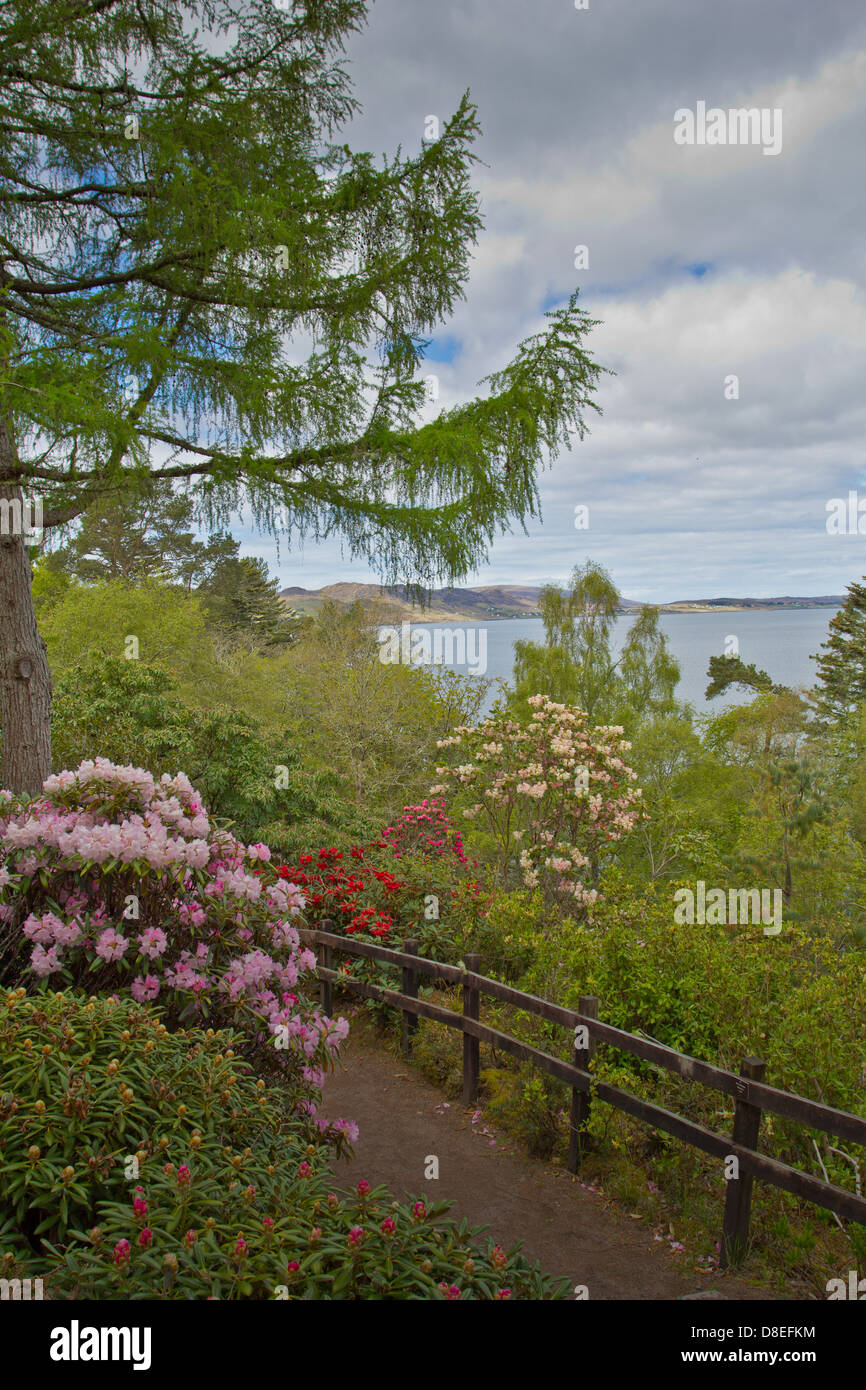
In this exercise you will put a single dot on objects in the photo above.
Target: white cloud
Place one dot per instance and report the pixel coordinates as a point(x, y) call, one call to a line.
point(689, 494)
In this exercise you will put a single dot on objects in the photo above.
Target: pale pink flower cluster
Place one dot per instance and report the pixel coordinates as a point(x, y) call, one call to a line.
point(152, 942)
point(559, 788)
point(81, 836)
point(286, 898)
point(308, 1033)
point(145, 988)
point(44, 962)
point(284, 934)
point(347, 1127)
point(132, 874)
point(110, 945)
point(50, 929)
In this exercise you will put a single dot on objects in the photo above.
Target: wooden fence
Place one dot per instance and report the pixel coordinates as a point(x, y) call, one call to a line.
point(751, 1096)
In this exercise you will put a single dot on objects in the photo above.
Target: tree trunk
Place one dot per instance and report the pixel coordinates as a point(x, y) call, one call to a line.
point(25, 680)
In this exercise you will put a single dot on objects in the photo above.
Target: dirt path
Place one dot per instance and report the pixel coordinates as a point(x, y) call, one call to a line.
point(570, 1230)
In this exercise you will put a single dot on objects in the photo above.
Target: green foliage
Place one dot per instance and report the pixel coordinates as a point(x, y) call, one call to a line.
point(530, 1104)
point(242, 600)
point(169, 625)
point(374, 724)
point(355, 738)
point(507, 931)
point(725, 671)
point(690, 799)
point(437, 1051)
point(142, 1164)
point(798, 999)
point(49, 584)
point(91, 1084)
point(143, 534)
point(319, 1245)
point(130, 712)
point(575, 664)
point(842, 658)
point(648, 673)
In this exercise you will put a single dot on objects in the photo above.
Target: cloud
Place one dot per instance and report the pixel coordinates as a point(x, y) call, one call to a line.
point(704, 262)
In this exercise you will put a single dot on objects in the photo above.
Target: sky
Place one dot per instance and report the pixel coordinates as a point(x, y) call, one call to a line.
point(706, 262)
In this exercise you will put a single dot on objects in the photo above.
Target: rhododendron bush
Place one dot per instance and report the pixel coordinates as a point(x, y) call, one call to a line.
point(425, 829)
point(554, 794)
point(413, 880)
point(349, 891)
point(115, 882)
point(144, 1164)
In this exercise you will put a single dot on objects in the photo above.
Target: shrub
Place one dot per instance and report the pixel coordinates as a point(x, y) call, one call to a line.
point(157, 1166)
point(350, 891)
point(275, 1235)
point(506, 931)
point(359, 893)
point(553, 794)
point(119, 883)
point(425, 830)
point(132, 711)
point(770, 996)
point(98, 1094)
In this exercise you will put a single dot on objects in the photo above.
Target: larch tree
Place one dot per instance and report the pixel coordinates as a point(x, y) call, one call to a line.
point(200, 283)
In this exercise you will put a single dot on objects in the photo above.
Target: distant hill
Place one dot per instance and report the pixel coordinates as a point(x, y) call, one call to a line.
point(492, 602)
point(737, 605)
point(394, 604)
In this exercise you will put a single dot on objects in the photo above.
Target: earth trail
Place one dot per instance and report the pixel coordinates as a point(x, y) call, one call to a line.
point(572, 1231)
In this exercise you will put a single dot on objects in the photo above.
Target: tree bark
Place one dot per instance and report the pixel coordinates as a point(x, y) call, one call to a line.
point(25, 680)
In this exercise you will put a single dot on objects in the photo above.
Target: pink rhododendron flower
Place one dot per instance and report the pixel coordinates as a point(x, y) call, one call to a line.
point(111, 945)
point(216, 916)
point(44, 962)
point(145, 988)
point(152, 942)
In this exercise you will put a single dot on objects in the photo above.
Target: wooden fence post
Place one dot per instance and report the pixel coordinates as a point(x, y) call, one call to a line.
point(587, 1005)
point(738, 1198)
point(471, 1046)
point(326, 989)
point(410, 988)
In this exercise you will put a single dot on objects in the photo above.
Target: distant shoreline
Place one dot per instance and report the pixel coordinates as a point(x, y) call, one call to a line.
point(421, 617)
point(506, 602)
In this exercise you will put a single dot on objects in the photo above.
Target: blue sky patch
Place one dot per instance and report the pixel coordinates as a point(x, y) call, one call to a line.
point(443, 349)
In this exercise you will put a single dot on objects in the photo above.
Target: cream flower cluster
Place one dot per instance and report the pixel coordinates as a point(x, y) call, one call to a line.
point(559, 788)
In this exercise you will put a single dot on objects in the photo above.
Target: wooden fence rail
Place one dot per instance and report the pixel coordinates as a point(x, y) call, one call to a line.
point(751, 1095)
